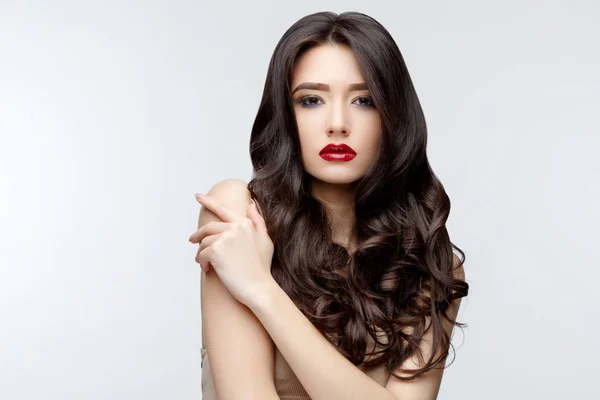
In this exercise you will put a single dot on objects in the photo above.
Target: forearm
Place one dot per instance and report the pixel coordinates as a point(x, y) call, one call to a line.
point(323, 371)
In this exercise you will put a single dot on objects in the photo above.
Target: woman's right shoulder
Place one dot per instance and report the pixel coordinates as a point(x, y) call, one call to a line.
point(231, 192)
point(235, 189)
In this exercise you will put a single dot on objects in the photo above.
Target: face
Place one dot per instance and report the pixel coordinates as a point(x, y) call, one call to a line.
point(337, 112)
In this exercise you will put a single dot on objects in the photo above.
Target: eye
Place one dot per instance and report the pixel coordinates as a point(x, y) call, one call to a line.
point(368, 100)
point(312, 101)
point(309, 101)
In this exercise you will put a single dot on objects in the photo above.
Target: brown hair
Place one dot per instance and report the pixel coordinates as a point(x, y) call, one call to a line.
point(402, 269)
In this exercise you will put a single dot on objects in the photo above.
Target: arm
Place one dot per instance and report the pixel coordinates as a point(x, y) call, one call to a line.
point(240, 349)
point(323, 371)
point(427, 386)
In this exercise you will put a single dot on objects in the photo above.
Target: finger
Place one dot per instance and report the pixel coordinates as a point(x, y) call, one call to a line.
point(206, 242)
point(257, 219)
point(224, 213)
point(210, 228)
point(205, 266)
point(204, 258)
point(252, 215)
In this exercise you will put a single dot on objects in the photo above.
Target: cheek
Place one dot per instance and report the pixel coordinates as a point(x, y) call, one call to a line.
point(372, 136)
point(376, 141)
point(308, 130)
point(370, 147)
point(377, 132)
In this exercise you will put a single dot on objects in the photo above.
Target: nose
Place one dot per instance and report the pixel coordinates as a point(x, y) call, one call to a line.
point(337, 122)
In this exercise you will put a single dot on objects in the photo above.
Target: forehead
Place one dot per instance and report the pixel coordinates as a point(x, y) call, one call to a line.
point(327, 64)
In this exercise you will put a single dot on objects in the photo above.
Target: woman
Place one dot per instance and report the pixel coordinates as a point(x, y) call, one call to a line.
point(330, 275)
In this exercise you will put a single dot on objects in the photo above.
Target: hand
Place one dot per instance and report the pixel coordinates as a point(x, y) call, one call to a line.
point(238, 248)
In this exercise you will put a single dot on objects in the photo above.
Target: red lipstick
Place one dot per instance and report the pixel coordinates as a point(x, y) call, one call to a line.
point(337, 152)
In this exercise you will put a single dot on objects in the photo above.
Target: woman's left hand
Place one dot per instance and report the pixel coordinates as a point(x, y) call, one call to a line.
point(238, 248)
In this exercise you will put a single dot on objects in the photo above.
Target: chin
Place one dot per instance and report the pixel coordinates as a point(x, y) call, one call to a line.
point(337, 177)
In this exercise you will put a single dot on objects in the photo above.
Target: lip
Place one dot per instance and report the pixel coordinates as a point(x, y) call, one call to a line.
point(337, 148)
point(337, 152)
point(337, 156)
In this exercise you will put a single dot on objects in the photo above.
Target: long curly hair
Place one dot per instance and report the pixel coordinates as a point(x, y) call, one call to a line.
point(402, 270)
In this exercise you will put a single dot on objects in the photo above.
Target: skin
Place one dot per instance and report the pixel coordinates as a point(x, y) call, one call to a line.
point(338, 115)
point(240, 261)
point(238, 249)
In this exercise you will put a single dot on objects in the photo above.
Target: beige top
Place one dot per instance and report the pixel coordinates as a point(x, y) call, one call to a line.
point(286, 383)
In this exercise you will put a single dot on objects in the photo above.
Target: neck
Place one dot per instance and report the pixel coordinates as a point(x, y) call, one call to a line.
point(339, 201)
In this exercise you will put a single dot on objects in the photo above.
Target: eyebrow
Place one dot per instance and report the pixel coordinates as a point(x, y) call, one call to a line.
point(325, 87)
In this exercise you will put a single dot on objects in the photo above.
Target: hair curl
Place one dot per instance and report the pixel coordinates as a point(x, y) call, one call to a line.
point(401, 272)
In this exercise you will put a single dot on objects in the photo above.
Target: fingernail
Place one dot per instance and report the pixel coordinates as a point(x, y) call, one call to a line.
point(200, 195)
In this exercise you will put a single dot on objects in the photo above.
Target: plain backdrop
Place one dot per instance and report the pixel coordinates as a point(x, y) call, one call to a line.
point(113, 114)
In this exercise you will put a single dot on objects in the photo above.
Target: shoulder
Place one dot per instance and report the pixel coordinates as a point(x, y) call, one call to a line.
point(458, 268)
point(231, 192)
point(233, 187)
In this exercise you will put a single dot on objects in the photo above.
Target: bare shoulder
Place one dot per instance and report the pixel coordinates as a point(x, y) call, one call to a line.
point(230, 186)
point(458, 268)
point(232, 192)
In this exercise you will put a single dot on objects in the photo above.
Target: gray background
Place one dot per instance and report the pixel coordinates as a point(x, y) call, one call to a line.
point(113, 114)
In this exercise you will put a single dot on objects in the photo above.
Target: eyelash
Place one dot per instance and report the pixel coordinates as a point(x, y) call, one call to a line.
point(303, 99)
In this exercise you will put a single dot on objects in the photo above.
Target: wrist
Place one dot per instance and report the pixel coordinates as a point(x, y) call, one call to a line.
point(263, 295)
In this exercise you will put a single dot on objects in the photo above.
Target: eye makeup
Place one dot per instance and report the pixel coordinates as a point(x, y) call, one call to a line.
point(303, 101)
